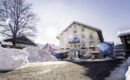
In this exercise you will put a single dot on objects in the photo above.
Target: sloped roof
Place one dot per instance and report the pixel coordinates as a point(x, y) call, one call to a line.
point(99, 31)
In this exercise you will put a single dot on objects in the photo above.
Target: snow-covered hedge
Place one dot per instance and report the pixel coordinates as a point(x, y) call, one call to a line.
point(39, 55)
point(12, 58)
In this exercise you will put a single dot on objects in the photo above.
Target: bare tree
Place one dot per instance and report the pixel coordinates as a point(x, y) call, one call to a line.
point(16, 19)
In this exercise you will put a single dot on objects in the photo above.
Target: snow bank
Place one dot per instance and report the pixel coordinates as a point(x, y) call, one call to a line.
point(128, 71)
point(120, 72)
point(12, 58)
point(123, 33)
point(39, 55)
point(128, 74)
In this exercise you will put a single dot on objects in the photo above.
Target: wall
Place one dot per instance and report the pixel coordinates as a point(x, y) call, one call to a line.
point(69, 34)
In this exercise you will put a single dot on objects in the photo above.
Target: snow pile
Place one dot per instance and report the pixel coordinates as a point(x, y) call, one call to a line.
point(39, 55)
point(12, 58)
point(123, 33)
point(120, 72)
point(128, 74)
point(128, 71)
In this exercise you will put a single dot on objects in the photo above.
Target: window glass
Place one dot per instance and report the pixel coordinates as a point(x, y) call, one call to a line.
point(76, 39)
point(83, 45)
point(75, 46)
point(91, 36)
point(74, 31)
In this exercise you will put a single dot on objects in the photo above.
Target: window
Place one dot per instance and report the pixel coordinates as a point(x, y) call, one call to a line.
point(128, 42)
point(91, 36)
point(76, 39)
point(75, 46)
point(91, 43)
point(83, 36)
point(74, 31)
point(83, 45)
point(82, 29)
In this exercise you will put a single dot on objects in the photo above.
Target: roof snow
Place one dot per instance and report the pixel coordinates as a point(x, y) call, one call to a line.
point(7, 43)
point(123, 33)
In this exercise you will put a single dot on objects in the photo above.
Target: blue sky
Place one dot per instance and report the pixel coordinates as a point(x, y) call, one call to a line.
point(54, 16)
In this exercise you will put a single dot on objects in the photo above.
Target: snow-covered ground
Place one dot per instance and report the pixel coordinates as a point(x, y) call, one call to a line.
point(120, 73)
